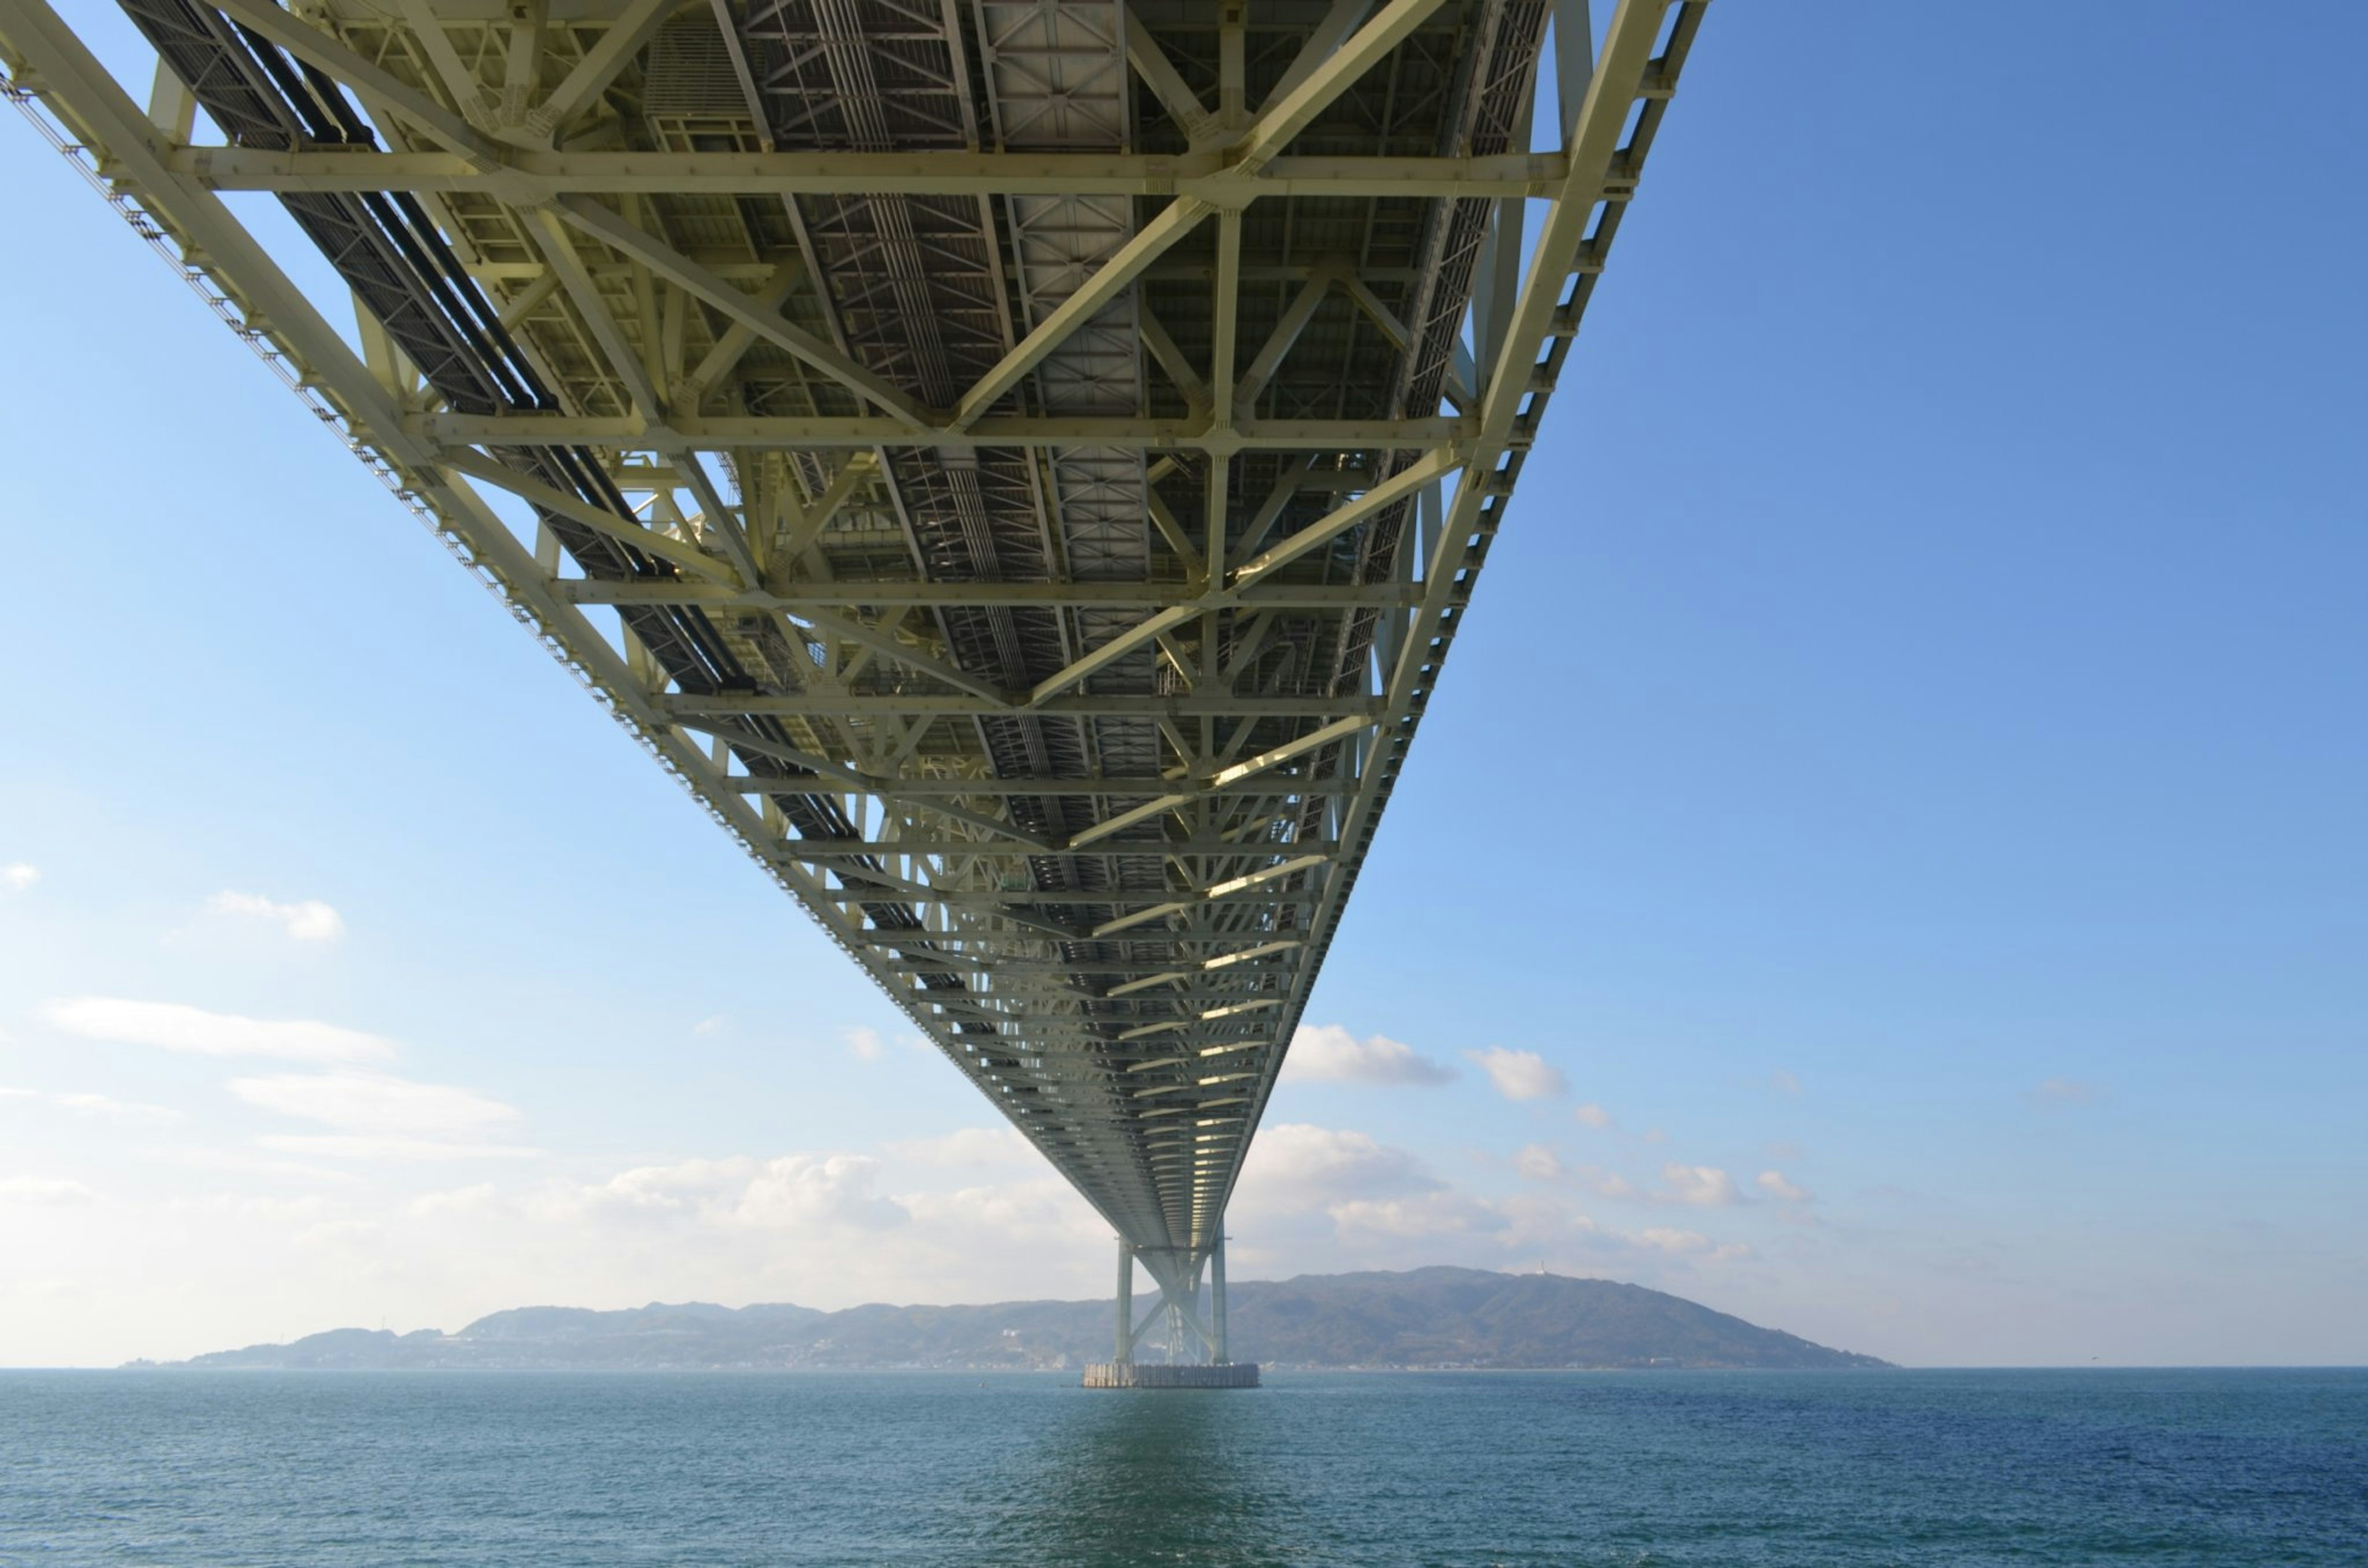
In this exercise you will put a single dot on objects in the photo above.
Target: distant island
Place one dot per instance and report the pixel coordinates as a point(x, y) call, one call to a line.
point(1431, 1318)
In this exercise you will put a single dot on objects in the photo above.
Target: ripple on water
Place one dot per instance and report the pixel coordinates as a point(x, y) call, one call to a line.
point(1674, 1470)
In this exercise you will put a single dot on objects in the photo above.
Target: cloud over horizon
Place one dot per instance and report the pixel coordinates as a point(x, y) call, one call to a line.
point(1333, 1198)
point(48, 1190)
point(966, 1146)
point(787, 1192)
point(1328, 1053)
point(86, 1104)
point(378, 1116)
point(369, 1115)
point(824, 1227)
point(170, 1026)
point(1297, 1165)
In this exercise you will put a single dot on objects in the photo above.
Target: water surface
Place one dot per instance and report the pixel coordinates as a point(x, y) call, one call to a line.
point(1833, 1469)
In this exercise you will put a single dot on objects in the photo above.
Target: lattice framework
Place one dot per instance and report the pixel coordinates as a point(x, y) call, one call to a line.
point(1021, 465)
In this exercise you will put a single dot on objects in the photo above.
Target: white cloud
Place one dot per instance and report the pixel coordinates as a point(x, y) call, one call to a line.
point(1689, 1243)
point(46, 1190)
point(95, 1105)
point(307, 920)
point(234, 1162)
point(792, 1192)
point(168, 1026)
point(1419, 1216)
point(382, 1117)
point(968, 1146)
point(1318, 1199)
point(1030, 1216)
point(835, 1189)
point(1705, 1186)
point(655, 1189)
point(363, 1146)
point(19, 876)
point(340, 1234)
point(277, 1212)
point(1592, 1115)
point(1784, 1084)
point(454, 1200)
point(1519, 1075)
point(1539, 1163)
point(376, 1103)
point(1775, 1185)
point(1329, 1053)
point(818, 1227)
point(108, 1106)
point(865, 1042)
point(715, 1025)
point(1297, 1165)
point(1347, 1188)
point(1675, 1240)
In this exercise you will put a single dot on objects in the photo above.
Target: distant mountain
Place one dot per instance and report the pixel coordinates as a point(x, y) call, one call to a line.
point(1428, 1317)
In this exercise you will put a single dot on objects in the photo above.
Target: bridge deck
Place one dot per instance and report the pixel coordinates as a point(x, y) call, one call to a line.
point(1021, 464)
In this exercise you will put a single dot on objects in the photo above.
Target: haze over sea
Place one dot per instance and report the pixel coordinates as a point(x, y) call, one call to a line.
point(726, 1470)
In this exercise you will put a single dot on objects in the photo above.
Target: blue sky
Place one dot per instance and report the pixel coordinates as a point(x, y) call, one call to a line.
point(1907, 744)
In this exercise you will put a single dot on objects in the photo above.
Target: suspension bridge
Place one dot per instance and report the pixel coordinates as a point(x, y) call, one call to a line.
point(1021, 464)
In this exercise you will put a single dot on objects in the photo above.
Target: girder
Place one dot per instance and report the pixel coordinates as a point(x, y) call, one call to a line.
point(1021, 463)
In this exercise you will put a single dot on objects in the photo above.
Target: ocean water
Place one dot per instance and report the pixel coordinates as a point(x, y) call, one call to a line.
point(724, 1469)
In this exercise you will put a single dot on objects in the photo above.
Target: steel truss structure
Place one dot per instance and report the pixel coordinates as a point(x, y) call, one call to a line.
point(1023, 464)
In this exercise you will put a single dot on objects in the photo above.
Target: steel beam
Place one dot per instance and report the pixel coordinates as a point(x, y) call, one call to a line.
point(1208, 178)
point(715, 433)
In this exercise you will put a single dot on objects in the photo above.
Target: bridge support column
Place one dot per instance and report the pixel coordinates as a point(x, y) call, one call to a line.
point(1217, 1303)
point(1125, 1352)
point(1177, 1272)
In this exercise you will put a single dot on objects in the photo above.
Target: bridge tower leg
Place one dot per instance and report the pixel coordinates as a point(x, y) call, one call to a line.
point(1125, 1354)
point(1217, 1303)
point(1177, 1272)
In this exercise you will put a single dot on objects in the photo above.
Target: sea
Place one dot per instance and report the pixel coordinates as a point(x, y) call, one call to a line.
point(750, 1469)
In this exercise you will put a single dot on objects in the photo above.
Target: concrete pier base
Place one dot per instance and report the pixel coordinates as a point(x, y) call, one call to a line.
point(1157, 1375)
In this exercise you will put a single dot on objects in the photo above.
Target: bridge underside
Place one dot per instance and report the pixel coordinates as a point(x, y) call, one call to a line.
point(1021, 465)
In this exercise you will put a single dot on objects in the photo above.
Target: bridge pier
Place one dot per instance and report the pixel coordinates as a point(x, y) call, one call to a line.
point(1177, 1271)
